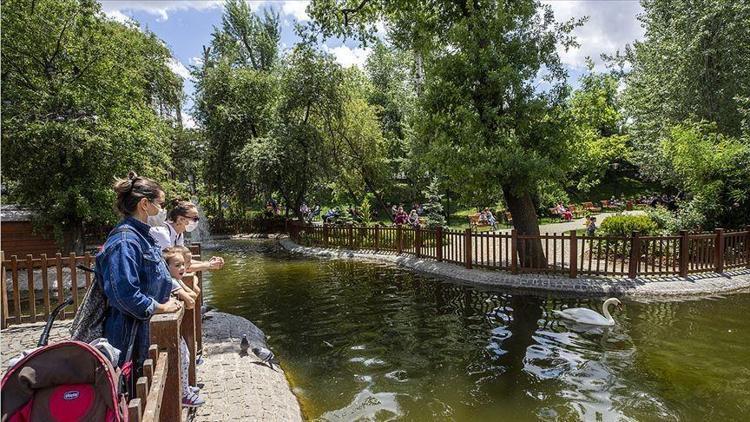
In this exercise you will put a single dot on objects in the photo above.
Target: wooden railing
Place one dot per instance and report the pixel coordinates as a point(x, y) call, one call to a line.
point(54, 279)
point(158, 392)
point(147, 405)
point(566, 254)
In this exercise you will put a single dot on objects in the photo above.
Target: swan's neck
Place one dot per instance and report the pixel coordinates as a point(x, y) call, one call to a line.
point(605, 311)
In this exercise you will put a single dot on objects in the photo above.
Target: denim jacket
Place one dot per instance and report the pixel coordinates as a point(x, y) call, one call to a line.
point(135, 279)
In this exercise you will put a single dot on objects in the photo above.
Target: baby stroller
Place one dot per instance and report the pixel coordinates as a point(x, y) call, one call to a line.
point(66, 381)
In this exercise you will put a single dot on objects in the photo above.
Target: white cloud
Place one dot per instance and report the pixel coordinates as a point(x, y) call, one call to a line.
point(178, 68)
point(348, 57)
point(118, 16)
point(611, 25)
point(296, 9)
point(196, 61)
point(160, 8)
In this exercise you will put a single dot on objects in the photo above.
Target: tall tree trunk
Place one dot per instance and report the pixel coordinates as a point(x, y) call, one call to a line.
point(77, 243)
point(530, 251)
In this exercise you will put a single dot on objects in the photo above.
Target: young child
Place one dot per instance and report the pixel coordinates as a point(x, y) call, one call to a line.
point(176, 264)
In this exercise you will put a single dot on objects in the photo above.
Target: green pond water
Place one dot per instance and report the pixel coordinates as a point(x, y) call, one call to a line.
point(362, 341)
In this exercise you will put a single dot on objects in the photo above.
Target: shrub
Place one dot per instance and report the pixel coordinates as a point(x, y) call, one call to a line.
point(688, 217)
point(624, 225)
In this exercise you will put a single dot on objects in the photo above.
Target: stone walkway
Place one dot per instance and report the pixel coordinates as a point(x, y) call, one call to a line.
point(642, 287)
point(576, 224)
point(235, 387)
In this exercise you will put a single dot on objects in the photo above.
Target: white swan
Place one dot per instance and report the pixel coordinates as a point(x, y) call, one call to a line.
point(589, 317)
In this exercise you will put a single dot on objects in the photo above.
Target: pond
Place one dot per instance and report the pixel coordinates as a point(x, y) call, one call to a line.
point(376, 342)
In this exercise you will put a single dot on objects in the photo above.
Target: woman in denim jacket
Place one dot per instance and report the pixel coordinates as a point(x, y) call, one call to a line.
point(136, 280)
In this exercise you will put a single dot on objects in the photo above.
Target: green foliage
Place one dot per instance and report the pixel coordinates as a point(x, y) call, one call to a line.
point(597, 124)
point(482, 124)
point(365, 208)
point(692, 65)
point(712, 170)
point(624, 225)
point(433, 207)
point(85, 100)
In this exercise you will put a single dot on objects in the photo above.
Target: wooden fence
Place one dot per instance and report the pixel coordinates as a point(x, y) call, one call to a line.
point(158, 392)
point(565, 254)
point(55, 278)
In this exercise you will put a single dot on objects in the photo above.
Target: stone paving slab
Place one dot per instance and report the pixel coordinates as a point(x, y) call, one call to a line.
point(642, 287)
point(237, 388)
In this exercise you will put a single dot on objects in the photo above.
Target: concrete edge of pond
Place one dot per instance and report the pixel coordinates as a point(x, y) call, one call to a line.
point(643, 288)
point(236, 386)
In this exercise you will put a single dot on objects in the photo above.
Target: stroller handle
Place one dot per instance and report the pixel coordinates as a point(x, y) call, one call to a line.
point(44, 339)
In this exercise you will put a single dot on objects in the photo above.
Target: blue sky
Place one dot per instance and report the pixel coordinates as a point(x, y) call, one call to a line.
point(186, 26)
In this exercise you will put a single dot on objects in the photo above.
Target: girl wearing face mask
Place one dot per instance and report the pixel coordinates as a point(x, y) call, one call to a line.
point(183, 217)
point(136, 280)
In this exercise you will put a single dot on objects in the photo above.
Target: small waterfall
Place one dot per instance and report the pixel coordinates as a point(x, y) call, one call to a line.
point(201, 234)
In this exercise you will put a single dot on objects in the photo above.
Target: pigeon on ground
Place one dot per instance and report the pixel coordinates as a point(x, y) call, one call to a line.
point(244, 345)
point(265, 355)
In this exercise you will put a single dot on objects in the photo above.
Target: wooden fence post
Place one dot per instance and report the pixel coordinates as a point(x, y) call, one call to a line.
point(4, 292)
point(377, 238)
point(719, 248)
point(188, 329)
point(165, 332)
point(152, 411)
point(635, 255)
point(399, 239)
point(30, 285)
point(747, 249)
point(73, 280)
point(684, 253)
point(325, 235)
point(467, 247)
point(513, 252)
point(573, 254)
point(199, 319)
point(439, 243)
point(45, 285)
point(351, 236)
point(135, 409)
point(418, 242)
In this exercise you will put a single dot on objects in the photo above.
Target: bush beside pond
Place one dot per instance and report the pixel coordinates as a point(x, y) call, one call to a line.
point(624, 225)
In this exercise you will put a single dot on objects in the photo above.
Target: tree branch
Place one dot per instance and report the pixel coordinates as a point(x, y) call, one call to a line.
point(353, 10)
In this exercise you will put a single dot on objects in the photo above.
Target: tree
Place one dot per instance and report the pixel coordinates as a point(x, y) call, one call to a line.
point(598, 125)
point(713, 173)
point(694, 64)
point(236, 97)
point(85, 99)
point(433, 208)
point(484, 123)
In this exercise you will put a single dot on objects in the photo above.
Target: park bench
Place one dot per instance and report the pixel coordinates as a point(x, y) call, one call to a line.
point(574, 209)
point(588, 206)
point(475, 223)
point(607, 205)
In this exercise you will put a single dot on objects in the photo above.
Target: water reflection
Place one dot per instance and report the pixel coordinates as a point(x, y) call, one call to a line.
point(370, 342)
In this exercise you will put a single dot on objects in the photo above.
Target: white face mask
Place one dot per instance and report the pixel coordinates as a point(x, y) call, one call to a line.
point(158, 219)
point(191, 226)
